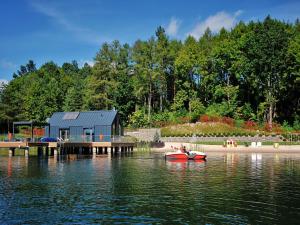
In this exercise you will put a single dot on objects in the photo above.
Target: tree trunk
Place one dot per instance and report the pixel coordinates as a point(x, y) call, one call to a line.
point(271, 115)
point(160, 102)
point(270, 122)
point(174, 90)
point(149, 102)
point(7, 126)
point(228, 83)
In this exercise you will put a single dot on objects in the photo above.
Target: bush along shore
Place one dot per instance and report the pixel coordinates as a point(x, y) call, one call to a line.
point(216, 132)
point(228, 127)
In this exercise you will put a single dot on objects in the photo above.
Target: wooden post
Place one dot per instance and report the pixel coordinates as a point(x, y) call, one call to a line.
point(47, 151)
point(26, 152)
point(32, 132)
point(51, 151)
point(94, 151)
point(55, 152)
point(11, 152)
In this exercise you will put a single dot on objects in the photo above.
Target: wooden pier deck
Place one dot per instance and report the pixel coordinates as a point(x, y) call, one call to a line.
point(54, 148)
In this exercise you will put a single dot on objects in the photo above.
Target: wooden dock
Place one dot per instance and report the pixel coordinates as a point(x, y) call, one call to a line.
point(55, 148)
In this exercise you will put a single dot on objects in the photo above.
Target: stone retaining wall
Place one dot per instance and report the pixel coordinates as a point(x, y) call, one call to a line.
point(144, 134)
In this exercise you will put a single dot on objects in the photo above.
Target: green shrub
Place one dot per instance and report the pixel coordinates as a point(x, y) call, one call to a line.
point(239, 123)
point(296, 124)
point(286, 127)
point(138, 119)
point(196, 108)
point(213, 110)
point(247, 112)
point(180, 100)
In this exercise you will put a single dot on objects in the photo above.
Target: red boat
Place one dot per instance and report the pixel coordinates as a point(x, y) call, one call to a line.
point(188, 155)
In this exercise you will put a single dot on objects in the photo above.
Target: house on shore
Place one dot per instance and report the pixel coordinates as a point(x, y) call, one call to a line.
point(90, 126)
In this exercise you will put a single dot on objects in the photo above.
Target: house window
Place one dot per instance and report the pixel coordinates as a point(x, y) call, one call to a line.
point(64, 134)
point(88, 134)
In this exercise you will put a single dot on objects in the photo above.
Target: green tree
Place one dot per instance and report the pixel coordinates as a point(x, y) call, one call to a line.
point(101, 84)
point(74, 99)
point(266, 63)
point(180, 101)
point(145, 69)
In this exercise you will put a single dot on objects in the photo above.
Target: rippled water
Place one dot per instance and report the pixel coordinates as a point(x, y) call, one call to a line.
point(144, 188)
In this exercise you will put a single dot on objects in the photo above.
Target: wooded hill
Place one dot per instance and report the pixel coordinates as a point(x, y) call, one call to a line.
point(250, 73)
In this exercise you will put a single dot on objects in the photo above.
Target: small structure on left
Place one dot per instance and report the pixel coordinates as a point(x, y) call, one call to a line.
point(30, 124)
point(27, 139)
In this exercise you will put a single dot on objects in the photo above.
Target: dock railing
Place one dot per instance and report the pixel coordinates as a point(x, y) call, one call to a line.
point(98, 138)
point(72, 138)
point(19, 139)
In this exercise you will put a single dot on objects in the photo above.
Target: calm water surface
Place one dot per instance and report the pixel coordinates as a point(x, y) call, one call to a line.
point(146, 189)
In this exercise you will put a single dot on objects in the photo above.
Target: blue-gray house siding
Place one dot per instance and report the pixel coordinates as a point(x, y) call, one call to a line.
point(76, 133)
point(85, 126)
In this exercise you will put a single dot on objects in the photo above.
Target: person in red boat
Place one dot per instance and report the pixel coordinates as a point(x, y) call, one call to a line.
point(183, 150)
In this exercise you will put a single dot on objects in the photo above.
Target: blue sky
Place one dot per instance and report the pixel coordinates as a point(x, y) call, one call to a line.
point(66, 30)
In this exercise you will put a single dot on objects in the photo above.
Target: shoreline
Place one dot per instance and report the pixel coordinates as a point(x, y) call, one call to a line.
point(239, 149)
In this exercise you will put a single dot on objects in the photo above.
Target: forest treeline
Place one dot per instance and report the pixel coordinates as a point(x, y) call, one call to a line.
point(251, 72)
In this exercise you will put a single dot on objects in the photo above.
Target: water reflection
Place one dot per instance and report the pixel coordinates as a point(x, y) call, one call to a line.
point(9, 167)
point(146, 188)
point(182, 164)
point(231, 159)
point(256, 162)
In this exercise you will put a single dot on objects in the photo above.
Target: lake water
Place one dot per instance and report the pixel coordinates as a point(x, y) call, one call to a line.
point(143, 188)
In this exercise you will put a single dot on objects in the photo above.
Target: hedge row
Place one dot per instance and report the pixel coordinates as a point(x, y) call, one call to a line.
point(215, 135)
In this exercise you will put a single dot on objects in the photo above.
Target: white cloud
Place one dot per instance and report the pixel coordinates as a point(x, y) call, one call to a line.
point(82, 62)
point(173, 27)
point(215, 23)
point(82, 33)
point(90, 62)
point(3, 81)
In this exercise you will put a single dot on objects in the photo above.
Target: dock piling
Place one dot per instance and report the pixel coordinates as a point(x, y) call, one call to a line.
point(47, 151)
point(26, 152)
point(40, 151)
point(11, 152)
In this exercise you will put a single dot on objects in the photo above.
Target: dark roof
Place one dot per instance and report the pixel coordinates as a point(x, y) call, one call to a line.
point(85, 119)
point(23, 123)
point(29, 123)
